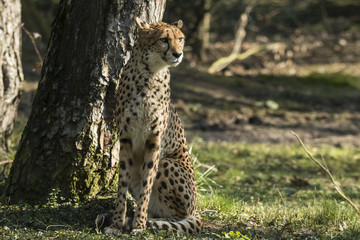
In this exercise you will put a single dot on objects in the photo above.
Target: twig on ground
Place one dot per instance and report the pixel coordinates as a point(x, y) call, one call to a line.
point(326, 169)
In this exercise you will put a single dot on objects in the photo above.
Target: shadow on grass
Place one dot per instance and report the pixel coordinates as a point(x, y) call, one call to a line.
point(326, 92)
point(53, 216)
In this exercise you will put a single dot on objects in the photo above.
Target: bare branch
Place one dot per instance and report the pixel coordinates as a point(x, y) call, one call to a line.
point(223, 62)
point(6, 162)
point(34, 45)
point(239, 38)
point(326, 169)
point(241, 32)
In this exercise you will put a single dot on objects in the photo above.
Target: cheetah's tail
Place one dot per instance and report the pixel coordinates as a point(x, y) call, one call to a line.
point(190, 225)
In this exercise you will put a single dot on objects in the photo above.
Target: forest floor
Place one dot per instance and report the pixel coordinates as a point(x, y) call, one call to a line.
point(315, 92)
point(254, 180)
point(323, 108)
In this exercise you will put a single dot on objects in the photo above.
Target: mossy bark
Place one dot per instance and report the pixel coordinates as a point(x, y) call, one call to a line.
point(11, 74)
point(69, 141)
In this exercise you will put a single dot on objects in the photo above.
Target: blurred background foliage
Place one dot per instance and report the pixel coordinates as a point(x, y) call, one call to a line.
point(269, 21)
point(270, 18)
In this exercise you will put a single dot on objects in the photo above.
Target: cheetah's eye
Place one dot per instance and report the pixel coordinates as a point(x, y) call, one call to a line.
point(181, 40)
point(163, 40)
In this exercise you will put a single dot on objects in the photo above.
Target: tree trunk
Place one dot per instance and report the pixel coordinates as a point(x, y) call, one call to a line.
point(201, 30)
point(205, 30)
point(11, 74)
point(69, 141)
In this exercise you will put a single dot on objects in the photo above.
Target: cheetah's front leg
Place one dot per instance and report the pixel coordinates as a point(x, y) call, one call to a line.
point(119, 219)
point(149, 169)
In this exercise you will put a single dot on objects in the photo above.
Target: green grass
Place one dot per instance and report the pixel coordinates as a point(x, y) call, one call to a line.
point(261, 198)
point(254, 191)
point(331, 80)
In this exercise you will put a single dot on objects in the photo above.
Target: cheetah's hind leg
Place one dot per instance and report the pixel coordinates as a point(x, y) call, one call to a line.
point(174, 196)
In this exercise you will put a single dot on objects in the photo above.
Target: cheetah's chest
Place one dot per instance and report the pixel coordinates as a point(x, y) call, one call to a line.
point(143, 113)
point(143, 116)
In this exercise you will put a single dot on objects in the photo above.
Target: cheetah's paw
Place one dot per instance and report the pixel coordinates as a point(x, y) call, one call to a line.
point(112, 231)
point(138, 230)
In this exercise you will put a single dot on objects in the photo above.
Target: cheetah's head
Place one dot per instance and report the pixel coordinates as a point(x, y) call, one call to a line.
point(162, 43)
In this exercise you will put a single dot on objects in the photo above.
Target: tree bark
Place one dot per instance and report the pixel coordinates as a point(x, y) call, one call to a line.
point(201, 29)
point(11, 74)
point(205, 30)
point(70, 141)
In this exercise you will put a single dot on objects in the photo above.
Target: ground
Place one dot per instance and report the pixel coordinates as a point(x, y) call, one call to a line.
point(239, 108)
point(254, 179)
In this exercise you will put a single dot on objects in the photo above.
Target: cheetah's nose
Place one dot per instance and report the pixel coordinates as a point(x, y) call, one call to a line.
point(177, 54)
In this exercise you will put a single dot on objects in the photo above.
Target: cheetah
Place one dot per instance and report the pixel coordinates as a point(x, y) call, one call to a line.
point(154, 164)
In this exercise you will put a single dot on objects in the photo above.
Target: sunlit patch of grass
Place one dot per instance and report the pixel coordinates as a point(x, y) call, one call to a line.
point(315, 90)
point(331, 80)
point(253, 164)
point(325, 80)
point(318, 217)
point(204, 181)
point(261, 198)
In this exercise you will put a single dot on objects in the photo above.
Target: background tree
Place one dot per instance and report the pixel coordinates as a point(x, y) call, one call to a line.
point(197, 17)
point(69, 141)
point(10, 70)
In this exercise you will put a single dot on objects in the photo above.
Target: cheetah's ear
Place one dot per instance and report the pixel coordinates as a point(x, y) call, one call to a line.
point(141, 24)
point(178, 24)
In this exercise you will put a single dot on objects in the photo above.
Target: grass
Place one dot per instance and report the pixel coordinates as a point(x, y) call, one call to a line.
point(263, 197)
point(255, 191)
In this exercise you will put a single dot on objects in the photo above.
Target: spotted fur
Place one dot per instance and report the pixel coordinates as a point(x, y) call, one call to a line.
point(154, 163)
